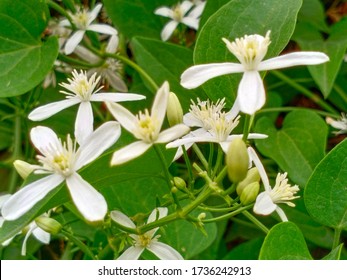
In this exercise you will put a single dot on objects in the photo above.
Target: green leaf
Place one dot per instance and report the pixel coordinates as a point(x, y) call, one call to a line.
point(24, 58)
point(334, 254)
point(326, 191)
point(312, 12)
point(284, 242)
point(298, 146)
point(210, 8)
point(234, 20)
point(166, 62)
point(246, 251)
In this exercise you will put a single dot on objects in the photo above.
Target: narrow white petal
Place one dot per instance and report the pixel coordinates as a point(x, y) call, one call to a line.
point(122, 219)
point(112, 44)
point(164, 251)
point(116, 97)
point(94, 13)
point(43, 137)
point(257, 136)
point(190, 140)
point(102, 28)
point(125, 117)
point(91, 204)
point(190, 120)
point(84, 122)
point(73, 41)
point(264, 204)
point(64, 22)
point(251, 93)
point(3, 198)
point(282, 215)
point(45, 111)
point(168, 29)
point(197, 10)
point(24, 245)
point(42, 235)
point(234, 111)
point(185, 6)
point(172, 133)
point(199, 74)
point(86, 54)
point(191, 22)
point(157, 213)
point(129, 152)
point(23, 200)
point(254, 157)
point(132, 253)
point(160, 103)
point(116, 81)
point(98, 142)
point(293, 59)
point(164, 11)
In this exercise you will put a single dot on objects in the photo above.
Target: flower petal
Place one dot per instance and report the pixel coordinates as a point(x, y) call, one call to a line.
point(45, 111)
point(43, 137)
point(251, 93)
point(164, 251)
point(132, 253)
point(185, 6)
point(254, 157)
point(94, 13)
point(172, 133)
point(190, 140)
point(293, 59)
point(157, 213)
point(164, 11)
point(159, 106)
point(264, 204)
point(98, 142)
point(199, 74)
point(129, 152)
point(84, 122)
point(42, 235)
point(122, 219)
point(125, 117)
point(103, 29)
point(116, 81)
point(112, 44)
point(191, 22)
point(89, 202)
point(23, 200)
point(168, 29)
point(73, 41)
point(197, 10)
point(86, 55)
point(116, 97)
point(282, 215)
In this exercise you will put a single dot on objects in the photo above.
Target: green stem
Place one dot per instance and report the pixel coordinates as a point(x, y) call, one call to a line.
point(228, 215)
point(221, 175)
point(304, 91)
point(255, 221)
point(337, 236)
point(189, 168)
point(290, 109)
point(78, 62)
point(220, 155)
point(62, 11)
point(210, 158)
point(200, 156)
point(340, 92)
point(84, 248)
point(246, 127)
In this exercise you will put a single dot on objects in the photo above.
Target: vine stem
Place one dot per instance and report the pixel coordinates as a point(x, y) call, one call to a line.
point(78, 243)
point(255, 221)
point(337, 236)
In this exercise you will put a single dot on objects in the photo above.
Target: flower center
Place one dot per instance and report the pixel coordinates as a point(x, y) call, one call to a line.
point(283, 192)
point(177, 14)
point(143, 240)
point(147, 127)
point(221, 126)
point(80, 19)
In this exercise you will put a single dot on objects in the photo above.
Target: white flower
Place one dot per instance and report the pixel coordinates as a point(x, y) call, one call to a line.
point(340, 124)
point(82, 91)
point(147, 240)
point(178, 14)
point(83, 19)
point(282, 192)
point(62, 161)
point(250, 51)
point(145, 127)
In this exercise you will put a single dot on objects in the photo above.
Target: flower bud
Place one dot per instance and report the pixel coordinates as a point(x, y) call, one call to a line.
point(250, 193)
point(179, 183)
point(48, 224)
point(23, 168)
point(174, 110)
point(252, 176)
point(202, 216)
point(237, 160)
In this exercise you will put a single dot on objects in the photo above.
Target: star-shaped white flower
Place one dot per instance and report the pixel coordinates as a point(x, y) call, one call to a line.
point(267, 201)
point(62, 161)
point(178, 14)
point(250, 51)
point(145, 127)
point(340, 124)
point(83, 19)
point(147, 240)
point(82, 91)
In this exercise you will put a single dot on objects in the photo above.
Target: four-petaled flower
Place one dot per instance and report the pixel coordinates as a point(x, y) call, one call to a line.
point(82, 91)
point(282, 192)
point(83, 19)
point(340, 124)
point(146, 240)
point(145, 127)
point(250, 51)
point(62, 161)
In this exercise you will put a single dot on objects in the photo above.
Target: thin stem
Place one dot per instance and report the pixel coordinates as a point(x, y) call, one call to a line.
point(289, 109)
point(228, 215)
point(255, 221)
point(84, 248)
point(189, 167)
point(246, 127)
point(220, 155)
point(78, 62)
point(337, 236)
point(62, 11)
point(200, 156)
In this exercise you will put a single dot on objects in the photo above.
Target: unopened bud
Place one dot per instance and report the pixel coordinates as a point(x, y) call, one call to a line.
point(174, 190)
point(179, 183)
point(202, 216)
point(237, 160)
point(250, 193)
point(23, 168)
point(251, 177)
point(48, 224)
point(174, 110)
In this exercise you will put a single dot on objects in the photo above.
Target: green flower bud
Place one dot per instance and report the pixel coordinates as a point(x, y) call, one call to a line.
point(23, 168)
point(252, 176)
point(237, 160)
point(174, 110)
point(202, 216)
point(179, 183)
point(250, 193)
point(48, 224)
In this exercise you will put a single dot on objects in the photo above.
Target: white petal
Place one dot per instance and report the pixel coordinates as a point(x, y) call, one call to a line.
point(199, 74)
point(45, 111)
point(116, 97)
point(86, 54)
point(132, 253)
point(94, 13)
point(164, 251)
point(102, 28)
point(168, 29)
point(293, 59)
point(73, 41)
point(129, 152)
point(164, 11)
point(282, 215)
point(191, 22)
point(43, 137)
point(23, 200)
point(122, 219)
point(98, 142)
point(254, 157)
point(185, 6)
point(160, 103)
point(257, 136)
point(125, 117)
point(89, 202)
point(172, 133)
point(64, 22)
point(197, 10)
point(116, 81)
point(264, 204)
point(42, 235)
point(24, 245)
point(190, 120)
point(112, 44)
point(84, 122)
point(251, 93)
point(157, 213)
point(3, 198)
point(190, 140)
